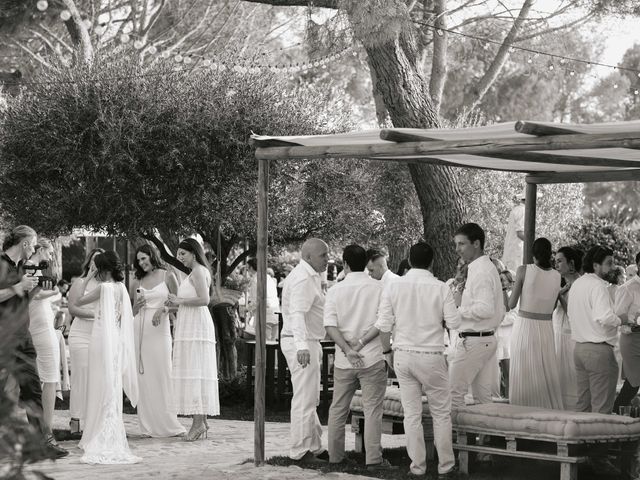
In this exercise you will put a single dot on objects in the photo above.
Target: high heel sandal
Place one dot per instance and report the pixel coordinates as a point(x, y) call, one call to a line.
point(196, 434)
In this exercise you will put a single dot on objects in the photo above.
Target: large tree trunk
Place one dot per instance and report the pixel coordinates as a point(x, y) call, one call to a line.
point(409, 105)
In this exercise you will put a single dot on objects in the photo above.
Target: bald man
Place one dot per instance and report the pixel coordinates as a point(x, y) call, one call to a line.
point(302, 330)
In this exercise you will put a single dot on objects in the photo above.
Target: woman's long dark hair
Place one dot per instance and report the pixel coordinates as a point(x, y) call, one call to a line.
point(87, 262)
point(542, 252)
point(154, 259)
point(193, 246)
point(109, 261)
point(572, 255)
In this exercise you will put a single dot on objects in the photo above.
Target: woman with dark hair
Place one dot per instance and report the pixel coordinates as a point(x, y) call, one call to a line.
point(195, 370)
point(149, 291)
point(112, 365)
point(79, 338)
point(534, 376)
point(569, 265)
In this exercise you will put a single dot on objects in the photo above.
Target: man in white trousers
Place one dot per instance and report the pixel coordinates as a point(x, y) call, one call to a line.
point(481, 310)
point(302, 330)
point(416, 307)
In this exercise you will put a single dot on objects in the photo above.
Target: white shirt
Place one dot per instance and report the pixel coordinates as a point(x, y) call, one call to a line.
point(513, 246)
point(387, 277)
point(627, 300)
point(272, 298)
point(591, 311)
point(352, 306)
point(302, 306)
point(482, 307)
point(415, 306)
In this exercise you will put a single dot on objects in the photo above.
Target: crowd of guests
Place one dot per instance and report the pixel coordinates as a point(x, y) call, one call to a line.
point(119, 341)
point(562, 319)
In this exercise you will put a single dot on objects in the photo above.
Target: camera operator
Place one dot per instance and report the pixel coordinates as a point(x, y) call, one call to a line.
point(15, 289)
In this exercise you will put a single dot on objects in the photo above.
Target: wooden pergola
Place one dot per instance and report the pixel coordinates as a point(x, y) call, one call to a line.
point(545, 152)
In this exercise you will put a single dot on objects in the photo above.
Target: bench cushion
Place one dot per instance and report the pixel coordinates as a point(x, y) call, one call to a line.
point(391, 405)
point(543, 424)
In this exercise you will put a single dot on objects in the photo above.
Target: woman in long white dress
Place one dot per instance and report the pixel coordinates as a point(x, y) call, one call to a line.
point(44, 337)
point(568, 264)
point(534, 375)
point(79, 339)
point(112, 366)
point(149, 291)
point(195, 371)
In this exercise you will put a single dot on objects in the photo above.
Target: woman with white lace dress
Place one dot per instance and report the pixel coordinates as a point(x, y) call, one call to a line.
point(195, 371)
point(112, 366)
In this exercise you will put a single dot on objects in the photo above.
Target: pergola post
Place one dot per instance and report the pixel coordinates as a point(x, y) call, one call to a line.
point(530, 199)
point(261, 317)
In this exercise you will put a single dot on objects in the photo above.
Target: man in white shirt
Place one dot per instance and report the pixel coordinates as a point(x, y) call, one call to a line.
point(377, 267)
point(350, 310)
point(481, 310)
point(594, 328)
point(512, 255)
point(302, 330)
point(416, 306)
point(626, 307)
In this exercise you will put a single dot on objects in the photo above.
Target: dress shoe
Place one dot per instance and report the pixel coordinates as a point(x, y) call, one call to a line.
point(310, 459)
point(324, 455)
point(53, 450)
point(450, 475)
point(383, 466)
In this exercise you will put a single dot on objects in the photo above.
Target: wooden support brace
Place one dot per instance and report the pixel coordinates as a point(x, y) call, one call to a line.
point(463, 455)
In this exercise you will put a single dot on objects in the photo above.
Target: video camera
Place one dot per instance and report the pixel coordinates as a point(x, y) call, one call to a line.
point(44, 282)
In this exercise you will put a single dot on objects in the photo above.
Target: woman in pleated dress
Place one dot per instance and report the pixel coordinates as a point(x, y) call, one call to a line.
point(149, 292)
point(79, 339)
point(534, 374)
point(568, 262)
point(195, 371)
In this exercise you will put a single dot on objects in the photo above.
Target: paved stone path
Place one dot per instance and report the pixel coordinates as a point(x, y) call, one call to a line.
point(224, 455)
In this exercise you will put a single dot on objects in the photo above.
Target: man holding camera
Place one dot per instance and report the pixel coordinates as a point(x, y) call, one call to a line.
point(17, 347)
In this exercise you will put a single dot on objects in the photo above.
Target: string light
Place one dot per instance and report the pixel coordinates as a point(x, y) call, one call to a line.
point(42, 5)
point(65, 15)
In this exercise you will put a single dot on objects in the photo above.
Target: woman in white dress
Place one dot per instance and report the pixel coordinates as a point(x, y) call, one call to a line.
point(112, 366)
point(44, 336)
point(195, 372)
point(149, 291)
point(568, 264)
point(79, 338)
point(534, 375)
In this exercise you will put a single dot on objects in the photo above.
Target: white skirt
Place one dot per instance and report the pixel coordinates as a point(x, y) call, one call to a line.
point(534, 377)
point(195, 370)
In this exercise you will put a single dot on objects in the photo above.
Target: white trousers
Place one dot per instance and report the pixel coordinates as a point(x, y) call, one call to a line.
point(415, 371)
point(306, 431)
point(473, 364)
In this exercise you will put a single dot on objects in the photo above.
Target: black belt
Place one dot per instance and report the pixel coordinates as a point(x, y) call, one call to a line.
point(476, 334)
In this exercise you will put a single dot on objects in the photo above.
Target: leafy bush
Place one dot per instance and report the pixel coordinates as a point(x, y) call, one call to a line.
point(233, 390)
point(599, 231)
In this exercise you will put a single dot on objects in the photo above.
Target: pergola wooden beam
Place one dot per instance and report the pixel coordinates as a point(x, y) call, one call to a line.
point(584, 177)
point(488, 147)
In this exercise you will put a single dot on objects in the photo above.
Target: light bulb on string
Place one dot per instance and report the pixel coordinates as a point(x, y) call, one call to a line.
point(87, 23)
point(615, 85)
point(152, 50)
point(188, 59)
point(529, 60)
point(124, 38)
point(206, 62)
point(166, 54)
point(551, 67)
point(178, 58)
point(138, 44)
point(572, 73)
point(42, 5)
point(101, 29)
point(635, 92)
point(65, 15)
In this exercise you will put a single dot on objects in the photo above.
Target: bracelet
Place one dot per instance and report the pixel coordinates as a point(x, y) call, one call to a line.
point(361, 342)
point(388, 351)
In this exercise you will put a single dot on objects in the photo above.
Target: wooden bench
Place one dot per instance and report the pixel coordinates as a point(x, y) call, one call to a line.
point(552, 435)
point(392, 419)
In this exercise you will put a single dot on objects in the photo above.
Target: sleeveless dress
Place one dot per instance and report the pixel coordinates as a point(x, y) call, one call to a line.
point(564, 351)
point(534, 374)
point(112, 369)
point(45, 340)
point(195, 370)
point(79, 339)
point(153, 356)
